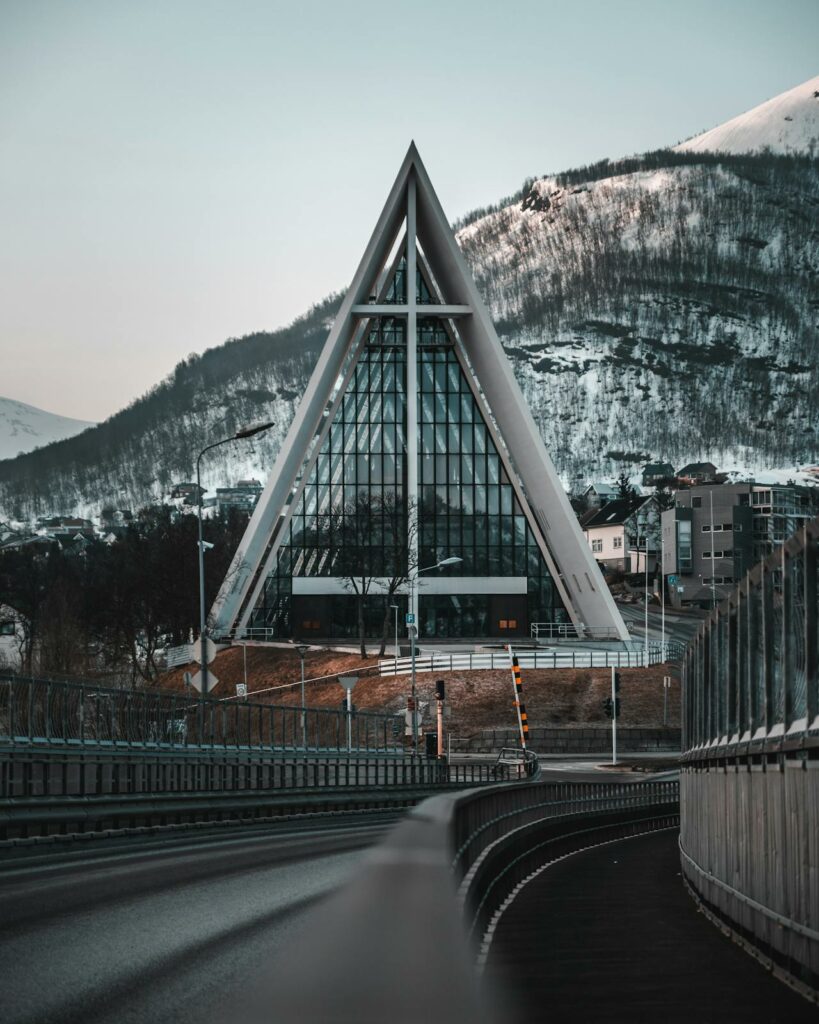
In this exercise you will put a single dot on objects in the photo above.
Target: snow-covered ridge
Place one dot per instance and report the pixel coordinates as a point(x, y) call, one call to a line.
point(788, 123)
point(25, 427)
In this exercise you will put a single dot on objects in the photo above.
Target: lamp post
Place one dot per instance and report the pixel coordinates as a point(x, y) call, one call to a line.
point(413, 633)
point(302, 651)
point(241, 434)
point(395, 612)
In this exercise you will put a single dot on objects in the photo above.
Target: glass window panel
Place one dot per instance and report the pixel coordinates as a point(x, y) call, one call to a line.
point(506, 500)
point(467, 471)
point(440, 376)
point(453, 437)
point(427, 375)
point(468, 502)
point(480, 437)
point(440, 407)
point(427, 439)
point(454, 497)
point(466, 408)
point(440, 437)
point(427, 408)
point(480, 499)
point(493, 463)
point(454, 407)
point(493, 500)
point(454, 469)
point(466, 438)
point(454, 376)
point(310, 499)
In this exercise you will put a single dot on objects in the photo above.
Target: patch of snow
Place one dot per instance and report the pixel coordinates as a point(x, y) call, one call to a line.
point(788, 123)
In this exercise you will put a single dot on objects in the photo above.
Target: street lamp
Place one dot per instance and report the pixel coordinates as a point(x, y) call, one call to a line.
point(241, 434)
point(413, 633)
point(302, 651)
point(395, 612)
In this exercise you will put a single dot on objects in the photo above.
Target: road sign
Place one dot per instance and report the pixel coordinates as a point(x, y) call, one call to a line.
point(241, 689)
point(196, 682)
point(409, 618)
point(672, 581)
point(196, 650)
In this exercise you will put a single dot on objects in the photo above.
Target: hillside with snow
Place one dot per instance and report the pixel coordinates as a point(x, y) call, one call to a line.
point(25, 427)
point(660, 307)
point(788, 123)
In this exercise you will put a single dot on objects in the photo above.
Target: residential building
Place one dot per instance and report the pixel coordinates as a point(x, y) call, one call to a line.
point(12, 639)
point(623, 534)
point(458, 474)
point(242, 496)
point(188, 492)
point(715, 534)
point(657, 473)
point(697, 473)
point(599, 493)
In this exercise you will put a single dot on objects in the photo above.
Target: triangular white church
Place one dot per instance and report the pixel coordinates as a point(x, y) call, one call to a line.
point(414, 399)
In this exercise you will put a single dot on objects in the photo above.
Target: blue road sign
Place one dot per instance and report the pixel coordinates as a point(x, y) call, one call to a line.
point(409, 619)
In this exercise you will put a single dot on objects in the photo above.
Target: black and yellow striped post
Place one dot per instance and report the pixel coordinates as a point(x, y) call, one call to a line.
point(523, 722)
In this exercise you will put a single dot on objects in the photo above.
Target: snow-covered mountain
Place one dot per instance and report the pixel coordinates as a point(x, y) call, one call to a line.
point(661, 307)
point(789, 123)
point(24, 427)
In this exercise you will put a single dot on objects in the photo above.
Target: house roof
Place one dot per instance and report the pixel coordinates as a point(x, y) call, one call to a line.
point(613, 514)
point(697, 467)
point(601, 487)
point(652, 468)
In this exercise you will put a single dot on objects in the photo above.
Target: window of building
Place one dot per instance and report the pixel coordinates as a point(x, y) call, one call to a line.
point(684, 550)
point(618, 542)
point(597, 546)
point(744, 499)
point(696, 503)
point(737, 527)
point(706, 529)
point(7, 628)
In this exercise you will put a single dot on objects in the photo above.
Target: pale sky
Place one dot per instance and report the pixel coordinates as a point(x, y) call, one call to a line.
point(176, 173)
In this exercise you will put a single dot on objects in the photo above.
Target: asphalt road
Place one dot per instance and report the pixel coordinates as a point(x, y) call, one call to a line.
point(611, 936)
point(178, 933)
point(677, 627)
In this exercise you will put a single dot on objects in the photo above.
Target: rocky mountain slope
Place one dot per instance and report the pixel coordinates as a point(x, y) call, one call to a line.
point(25, 427)
point(662, 306)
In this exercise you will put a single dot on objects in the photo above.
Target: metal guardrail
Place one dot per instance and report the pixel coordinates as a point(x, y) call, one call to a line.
point(750, 673)
point(438, 661)
point(440, 873)
point(569, 631)
point(43, 712)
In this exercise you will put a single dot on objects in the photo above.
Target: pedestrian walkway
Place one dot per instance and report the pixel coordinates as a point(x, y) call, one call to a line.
point(612, 935)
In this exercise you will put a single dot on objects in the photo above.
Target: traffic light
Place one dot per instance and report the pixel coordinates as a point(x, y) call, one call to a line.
point(439, 689)
point(612, 708)
point(616, 682)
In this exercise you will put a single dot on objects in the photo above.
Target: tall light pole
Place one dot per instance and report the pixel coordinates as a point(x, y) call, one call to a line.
point(241, 434)
point(413, 633)
point(395, 612)
point(302, 651)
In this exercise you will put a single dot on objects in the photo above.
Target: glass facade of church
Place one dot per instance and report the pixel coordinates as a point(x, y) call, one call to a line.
point(467, 506)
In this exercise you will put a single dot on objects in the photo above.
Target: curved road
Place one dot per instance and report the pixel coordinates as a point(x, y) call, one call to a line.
point(180, 931)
